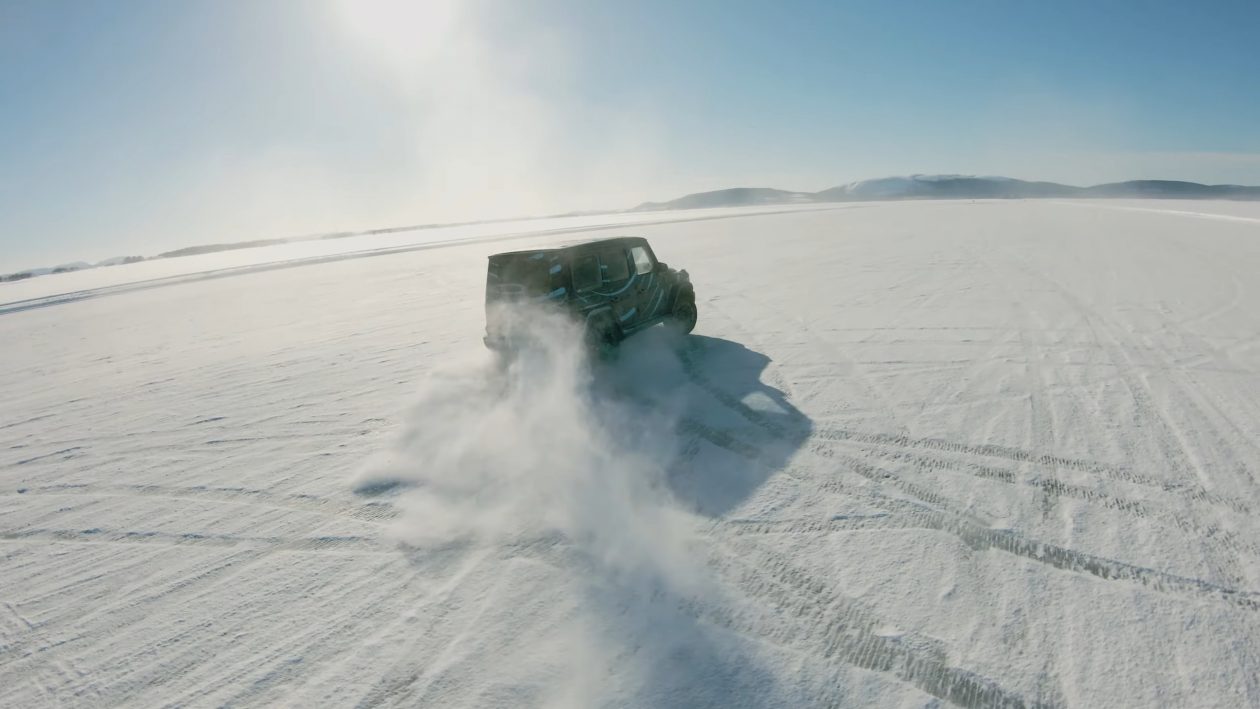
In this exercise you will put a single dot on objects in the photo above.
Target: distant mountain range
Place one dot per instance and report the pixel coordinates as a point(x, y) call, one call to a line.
point(886, 188)
point(953, 187)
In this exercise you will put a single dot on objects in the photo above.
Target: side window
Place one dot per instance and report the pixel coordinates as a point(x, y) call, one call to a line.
point(586, 273)
point(616, 267)
point(642, 260)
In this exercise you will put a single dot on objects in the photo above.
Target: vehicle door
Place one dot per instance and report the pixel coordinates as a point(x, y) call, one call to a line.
point(617, 286)
point(587, 280)
point(650, 291)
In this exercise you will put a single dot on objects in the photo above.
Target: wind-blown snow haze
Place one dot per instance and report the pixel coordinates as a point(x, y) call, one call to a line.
point(491, 121)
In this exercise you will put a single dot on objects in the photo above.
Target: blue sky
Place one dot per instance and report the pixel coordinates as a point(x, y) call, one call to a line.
point(140, 126)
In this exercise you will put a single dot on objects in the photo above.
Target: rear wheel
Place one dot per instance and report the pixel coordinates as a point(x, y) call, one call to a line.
point(684, 315)
point(602, 337)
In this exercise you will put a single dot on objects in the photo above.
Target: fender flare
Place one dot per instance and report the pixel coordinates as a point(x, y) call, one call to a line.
point(681, 291)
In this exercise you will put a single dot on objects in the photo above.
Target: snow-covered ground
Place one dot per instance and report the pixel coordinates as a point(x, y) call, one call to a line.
point(916, 453)
point(164, 271)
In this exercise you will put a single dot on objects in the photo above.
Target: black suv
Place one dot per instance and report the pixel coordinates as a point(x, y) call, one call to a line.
point(615, 287)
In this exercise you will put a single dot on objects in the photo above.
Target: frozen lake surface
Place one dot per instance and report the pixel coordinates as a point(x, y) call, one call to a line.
point(974, 453)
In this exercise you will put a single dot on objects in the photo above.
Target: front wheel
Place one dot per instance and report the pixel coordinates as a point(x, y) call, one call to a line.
point(684, 316)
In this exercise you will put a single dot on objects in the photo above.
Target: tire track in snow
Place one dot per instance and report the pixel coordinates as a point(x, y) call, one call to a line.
point(372, 511)
point(827, 525)
point(1041, 410)
point(908, 447)
point(295, 655)
point(329, 543)
point(803, 614)
point(52, 679)
point(1117, 473)
point(1015, 455)
point(990, 450)
point(50, 515)
point(69, 579)
point(177, 658)
point(812, 618)
point(1139, 509)
point(974, 533)
point(137, 603)
point(939, 513)
point(23, 422)
point(1202, 405)
point(1139, 389)
point(130, 609)
point(979, 535)
point(987, 450)
point(64, 454)
point(407, 676)
point(391, 634)
point(1223, 562)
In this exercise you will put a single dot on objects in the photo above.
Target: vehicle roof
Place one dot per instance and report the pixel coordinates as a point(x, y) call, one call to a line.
point(578, 246)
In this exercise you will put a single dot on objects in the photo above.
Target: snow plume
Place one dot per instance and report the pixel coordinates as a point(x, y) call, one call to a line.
point(546, 454)
point(528, 447)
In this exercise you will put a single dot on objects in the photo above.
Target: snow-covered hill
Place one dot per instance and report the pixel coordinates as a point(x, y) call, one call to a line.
point(915, 454)
point(945, 187)
point(887, 188)
point(733, 197)
point(958, 187)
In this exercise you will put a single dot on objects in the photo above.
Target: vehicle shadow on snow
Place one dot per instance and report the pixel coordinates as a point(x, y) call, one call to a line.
point(721, 433)
point(732, 430)
point(723, 430)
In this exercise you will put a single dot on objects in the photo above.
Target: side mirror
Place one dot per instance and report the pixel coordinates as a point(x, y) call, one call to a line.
point(660, 267)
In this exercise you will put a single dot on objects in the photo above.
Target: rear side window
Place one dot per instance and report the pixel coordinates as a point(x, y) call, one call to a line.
point(515, 276)
point(616, 267)
point(642, 260)
point(530, 274)
point(586, 273)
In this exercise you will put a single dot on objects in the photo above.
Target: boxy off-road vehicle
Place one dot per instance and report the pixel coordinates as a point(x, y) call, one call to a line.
point(613, 287)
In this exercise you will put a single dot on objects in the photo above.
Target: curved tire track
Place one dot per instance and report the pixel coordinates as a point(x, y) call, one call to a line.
point(829, 625)
point(937, 512)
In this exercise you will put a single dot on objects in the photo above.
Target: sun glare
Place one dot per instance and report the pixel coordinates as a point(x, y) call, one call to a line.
point(407, 35)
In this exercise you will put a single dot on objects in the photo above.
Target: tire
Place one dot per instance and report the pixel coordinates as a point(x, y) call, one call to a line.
point(683, 317)
point(602, 337)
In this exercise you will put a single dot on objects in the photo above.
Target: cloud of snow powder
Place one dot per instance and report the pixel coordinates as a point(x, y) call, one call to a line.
point(534, 446)
point(544, 452)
